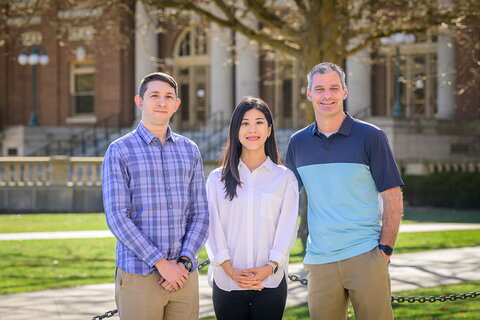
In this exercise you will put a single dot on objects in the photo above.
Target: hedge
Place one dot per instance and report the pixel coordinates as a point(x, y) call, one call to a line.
point(443, 189)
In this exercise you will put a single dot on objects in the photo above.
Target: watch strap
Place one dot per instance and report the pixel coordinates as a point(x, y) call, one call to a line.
point(187, 263)
point(386, 249)
point(274, 266)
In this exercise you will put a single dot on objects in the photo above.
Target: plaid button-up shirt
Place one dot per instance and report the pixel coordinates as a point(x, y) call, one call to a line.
point(154, 199)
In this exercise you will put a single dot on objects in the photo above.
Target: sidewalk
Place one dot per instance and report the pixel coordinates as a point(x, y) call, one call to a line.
point(408, 271)
point(414, 227)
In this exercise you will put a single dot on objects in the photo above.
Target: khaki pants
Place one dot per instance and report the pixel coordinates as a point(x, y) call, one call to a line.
point(140, 297)
point(364, 279)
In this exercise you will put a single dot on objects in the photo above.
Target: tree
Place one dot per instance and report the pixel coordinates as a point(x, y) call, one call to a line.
point(328, 30)
point(321, 30)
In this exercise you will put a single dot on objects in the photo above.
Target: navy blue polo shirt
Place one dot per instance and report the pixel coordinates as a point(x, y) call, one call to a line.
point(343, 176)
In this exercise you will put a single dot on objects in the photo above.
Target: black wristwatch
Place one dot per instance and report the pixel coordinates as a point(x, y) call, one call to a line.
point(187, 263)
point(386, 249)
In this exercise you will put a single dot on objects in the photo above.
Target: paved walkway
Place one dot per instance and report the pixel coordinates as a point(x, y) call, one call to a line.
point(408, 271)
point(414, 227)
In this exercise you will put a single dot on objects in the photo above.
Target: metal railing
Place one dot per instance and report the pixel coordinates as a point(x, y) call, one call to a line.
point(93, 138)
point(211, 137)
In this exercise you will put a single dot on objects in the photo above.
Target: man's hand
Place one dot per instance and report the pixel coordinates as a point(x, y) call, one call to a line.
point(387, 257)
point(173, 277)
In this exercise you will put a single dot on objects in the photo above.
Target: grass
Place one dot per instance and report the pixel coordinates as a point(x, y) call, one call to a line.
point(434, 215)
point(96, 221)
point(423, 241)
point(44, 264)
point(51, 222)
point(468, 309)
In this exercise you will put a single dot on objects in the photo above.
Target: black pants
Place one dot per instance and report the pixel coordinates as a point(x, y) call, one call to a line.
point(250, 304)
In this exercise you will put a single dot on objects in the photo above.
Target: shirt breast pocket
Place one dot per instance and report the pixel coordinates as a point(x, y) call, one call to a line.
point(270, 206)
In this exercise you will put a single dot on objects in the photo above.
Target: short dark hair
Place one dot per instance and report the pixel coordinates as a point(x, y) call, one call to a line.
point(233, 148)
point(156, 76)
point(325, 67)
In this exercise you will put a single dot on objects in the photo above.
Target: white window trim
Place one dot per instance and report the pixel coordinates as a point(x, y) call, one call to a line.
point(75, 71)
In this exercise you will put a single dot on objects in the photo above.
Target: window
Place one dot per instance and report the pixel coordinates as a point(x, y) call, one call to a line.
point(287, 93)
point(12, 152)
point(83, 89)
point(192, 71)
point(417, 80)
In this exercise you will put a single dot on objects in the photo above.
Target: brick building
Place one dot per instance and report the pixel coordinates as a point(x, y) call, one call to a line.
point(98, 56)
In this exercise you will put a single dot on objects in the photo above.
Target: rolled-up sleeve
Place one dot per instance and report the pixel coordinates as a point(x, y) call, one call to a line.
point(286, 231)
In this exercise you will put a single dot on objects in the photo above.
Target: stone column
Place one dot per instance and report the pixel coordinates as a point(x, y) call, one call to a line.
point(146, 46)
point(359, 100)
point(446, 70)
point(221, 71)
point(247, 68)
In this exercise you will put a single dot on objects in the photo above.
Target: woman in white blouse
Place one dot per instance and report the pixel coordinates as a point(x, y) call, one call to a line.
point(253, 204)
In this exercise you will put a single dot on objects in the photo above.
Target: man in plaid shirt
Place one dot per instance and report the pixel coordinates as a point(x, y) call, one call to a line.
point(155, 205)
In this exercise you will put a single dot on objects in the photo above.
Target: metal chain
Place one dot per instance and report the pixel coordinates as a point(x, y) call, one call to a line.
point(107, 314)
point(304, 281)
point(451, 297)
point(401, 299)
point(295, 278)
point(203, 264)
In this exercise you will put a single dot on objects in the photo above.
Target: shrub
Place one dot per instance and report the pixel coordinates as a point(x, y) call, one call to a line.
point(443, 189)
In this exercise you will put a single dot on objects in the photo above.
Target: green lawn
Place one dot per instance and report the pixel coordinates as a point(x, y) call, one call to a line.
point(40, 264)
point(426, 215)
point(52, 222)
point(96, 221)
point(422, 241)
point(468, 309)
point(43, 264)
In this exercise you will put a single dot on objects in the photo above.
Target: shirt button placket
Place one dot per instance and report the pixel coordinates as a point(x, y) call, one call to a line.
point(250, 219)
point(166, 179)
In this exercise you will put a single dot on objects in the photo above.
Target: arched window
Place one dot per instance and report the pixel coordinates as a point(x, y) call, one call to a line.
point(192, 71)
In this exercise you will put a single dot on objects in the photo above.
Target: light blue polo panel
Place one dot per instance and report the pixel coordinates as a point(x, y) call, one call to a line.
point(343, 176)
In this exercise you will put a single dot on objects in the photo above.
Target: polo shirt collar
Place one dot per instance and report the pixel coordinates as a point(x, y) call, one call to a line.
point(148, 137)
point(345, 128)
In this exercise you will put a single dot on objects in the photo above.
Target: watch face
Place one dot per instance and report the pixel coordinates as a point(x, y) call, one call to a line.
point(188, 264)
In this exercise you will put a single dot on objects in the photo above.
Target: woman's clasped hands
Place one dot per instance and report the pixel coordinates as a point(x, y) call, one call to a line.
point(251, 279)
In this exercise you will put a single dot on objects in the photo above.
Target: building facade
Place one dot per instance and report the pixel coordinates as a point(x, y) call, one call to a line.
point(99, 56)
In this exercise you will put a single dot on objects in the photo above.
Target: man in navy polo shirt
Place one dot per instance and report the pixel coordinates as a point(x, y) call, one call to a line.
point(354, 204)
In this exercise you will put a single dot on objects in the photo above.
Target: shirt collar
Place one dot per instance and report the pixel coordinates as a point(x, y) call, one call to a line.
point(268, 163)
point(147, 136)
point(345, 128)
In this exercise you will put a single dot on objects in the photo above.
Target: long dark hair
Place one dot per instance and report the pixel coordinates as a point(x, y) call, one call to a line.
point(233, 148)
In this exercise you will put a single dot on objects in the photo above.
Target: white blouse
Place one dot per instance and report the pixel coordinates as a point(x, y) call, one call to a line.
point(258, 225)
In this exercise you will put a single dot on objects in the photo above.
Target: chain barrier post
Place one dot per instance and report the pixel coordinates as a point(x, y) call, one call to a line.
point(304, 282)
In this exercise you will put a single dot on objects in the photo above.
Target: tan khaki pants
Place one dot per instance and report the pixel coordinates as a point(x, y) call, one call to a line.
point(363, 279)
point(140, 297)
